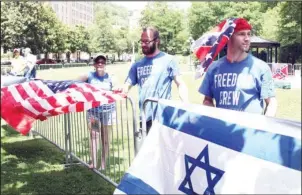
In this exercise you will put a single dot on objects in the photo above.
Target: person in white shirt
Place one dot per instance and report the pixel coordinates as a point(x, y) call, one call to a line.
point(30, 60)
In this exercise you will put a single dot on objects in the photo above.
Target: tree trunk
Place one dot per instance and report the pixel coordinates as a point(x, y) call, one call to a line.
point(68, 56)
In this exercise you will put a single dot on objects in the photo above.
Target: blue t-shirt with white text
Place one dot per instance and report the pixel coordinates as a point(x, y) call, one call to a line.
point(154, 78)
point(239, 86)
point(101, 82)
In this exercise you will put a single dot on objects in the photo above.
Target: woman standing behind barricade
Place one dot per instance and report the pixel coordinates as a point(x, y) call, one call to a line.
point(100, 119)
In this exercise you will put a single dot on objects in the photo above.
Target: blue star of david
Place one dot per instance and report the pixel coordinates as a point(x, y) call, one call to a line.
point(203, 165)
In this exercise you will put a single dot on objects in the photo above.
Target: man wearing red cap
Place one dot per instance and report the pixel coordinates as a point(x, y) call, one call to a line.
point(240, 81)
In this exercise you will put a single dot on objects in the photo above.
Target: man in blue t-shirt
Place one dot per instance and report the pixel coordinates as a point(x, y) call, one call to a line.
point(239, 81)
point(154, 74)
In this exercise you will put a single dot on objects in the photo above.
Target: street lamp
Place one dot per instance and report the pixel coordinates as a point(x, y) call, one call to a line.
point(190, 41)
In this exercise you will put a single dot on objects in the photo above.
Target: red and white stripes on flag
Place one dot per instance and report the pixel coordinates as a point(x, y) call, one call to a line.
point(22, 104)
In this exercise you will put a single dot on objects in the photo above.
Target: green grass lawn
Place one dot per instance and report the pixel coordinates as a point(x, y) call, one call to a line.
point(35, 166)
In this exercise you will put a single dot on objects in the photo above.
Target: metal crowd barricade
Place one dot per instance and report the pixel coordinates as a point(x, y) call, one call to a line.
point(5, 69)
point(70, 133)
point(144, 131)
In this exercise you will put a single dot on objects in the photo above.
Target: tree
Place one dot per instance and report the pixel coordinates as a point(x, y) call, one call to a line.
point(17, 18)
point(52, 34)
point(203, 16)
point(289, 32)
point(169, 26)
point(108, 18)
point(30, 24)
point(290, 24)
point(78, 39)
point(270, 20)
point(120, 36)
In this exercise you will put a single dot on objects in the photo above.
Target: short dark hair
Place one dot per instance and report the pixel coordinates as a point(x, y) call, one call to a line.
point(98, 58)
point(153, 30)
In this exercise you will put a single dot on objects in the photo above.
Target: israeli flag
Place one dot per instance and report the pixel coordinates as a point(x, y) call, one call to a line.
point(195, 149)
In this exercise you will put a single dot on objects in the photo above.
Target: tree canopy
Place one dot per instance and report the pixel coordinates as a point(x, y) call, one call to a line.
point(35, 25)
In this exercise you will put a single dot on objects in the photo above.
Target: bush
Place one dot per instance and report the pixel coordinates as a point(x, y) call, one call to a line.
point(6, 56)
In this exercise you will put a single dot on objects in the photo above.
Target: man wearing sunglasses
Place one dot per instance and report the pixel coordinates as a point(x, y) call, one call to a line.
point(154, 74)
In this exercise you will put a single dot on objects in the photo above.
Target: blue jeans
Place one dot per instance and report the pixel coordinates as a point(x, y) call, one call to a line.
point(30, 73)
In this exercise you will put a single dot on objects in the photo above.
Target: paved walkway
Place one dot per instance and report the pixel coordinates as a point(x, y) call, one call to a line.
point(291, 82)
point(295, 82)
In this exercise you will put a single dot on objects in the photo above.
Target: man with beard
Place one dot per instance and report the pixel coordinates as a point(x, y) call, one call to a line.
point(239, 81)
point(154, 74)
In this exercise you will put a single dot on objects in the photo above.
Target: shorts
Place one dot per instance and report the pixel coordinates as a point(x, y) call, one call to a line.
point(105, 118)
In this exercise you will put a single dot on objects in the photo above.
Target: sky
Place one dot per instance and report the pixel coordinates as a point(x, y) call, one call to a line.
point(141, 4)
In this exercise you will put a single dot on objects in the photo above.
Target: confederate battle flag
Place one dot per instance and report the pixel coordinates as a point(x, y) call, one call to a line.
point(207, 47)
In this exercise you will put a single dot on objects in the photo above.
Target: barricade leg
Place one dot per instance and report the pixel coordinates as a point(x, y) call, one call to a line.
point(71, 134)
point(68, 146)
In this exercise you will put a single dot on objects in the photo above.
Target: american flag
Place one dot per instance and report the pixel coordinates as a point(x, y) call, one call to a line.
point(280, 71)
point(23, 103)
point(207, 47)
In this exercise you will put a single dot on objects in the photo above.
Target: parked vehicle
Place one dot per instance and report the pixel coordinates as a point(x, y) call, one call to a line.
point(46, 61)
point(6, 62)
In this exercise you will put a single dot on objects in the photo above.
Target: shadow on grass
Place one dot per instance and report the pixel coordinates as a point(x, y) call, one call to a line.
point(30, 155)
point(75, 180)
point(34, 166)
point(34, 150)
point(9, 131)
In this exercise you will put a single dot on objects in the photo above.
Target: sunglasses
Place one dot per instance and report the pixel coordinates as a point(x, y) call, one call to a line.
point(147, 42)
point(100, 62)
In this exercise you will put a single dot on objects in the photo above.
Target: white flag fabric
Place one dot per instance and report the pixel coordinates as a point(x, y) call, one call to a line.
point(7, 80)
point(195, 149)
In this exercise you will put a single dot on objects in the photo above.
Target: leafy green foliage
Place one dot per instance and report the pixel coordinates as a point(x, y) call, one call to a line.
point(290, 23)
point(16, 22)
point(203, 16)
point(108, 33)
point(32, 24)
point(78, 39)
point(270, 24)
point(169, 23)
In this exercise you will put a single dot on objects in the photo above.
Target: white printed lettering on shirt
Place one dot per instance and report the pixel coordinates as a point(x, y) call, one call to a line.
point(143, 71)
point(229, 98)
point(225, 80)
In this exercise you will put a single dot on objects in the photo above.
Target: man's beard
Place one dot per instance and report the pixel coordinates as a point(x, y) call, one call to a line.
point(150, 50)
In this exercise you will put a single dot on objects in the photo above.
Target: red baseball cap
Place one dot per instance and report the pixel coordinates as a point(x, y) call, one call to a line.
point(242, 24)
